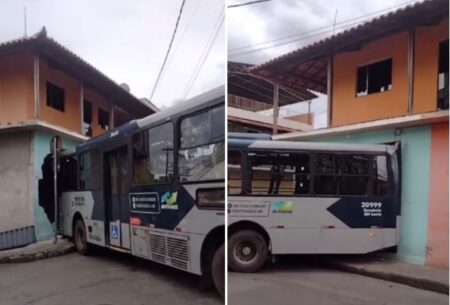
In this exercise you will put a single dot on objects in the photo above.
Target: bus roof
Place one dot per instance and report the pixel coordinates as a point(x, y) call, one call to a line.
point(249, 136)
point(291, 145)
point(198, 101)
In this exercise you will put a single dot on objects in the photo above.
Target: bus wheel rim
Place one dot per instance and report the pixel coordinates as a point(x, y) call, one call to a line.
point(245, 252)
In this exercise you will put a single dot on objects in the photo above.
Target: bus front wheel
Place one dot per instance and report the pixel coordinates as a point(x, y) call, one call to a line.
point(79, 236)
point(218, 269)
point(247, 251)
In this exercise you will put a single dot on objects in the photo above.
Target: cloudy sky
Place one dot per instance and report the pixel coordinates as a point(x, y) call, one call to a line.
point(250, 26)
point(127, 40)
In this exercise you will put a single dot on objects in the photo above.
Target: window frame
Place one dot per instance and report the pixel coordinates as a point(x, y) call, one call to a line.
point(367, 64)
point(175, 169)
point(85, 102)
point(246, 182)
point(50, 105)
point(99, 111)
point(99, 168)
point(178, 142)
point(312, 173)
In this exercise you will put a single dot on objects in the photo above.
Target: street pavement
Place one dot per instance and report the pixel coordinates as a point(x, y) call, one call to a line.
point(296, 283)
point(107, 278)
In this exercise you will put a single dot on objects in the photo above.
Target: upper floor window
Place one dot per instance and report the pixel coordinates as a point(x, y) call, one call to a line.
point(55, 97)
point(103, 119)
point(443, 76)
point(373, 78)
point(87, 118)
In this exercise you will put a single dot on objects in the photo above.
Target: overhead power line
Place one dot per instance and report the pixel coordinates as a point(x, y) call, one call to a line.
point(301, 36)
point(168, 50)
point(205, 53)
point(177, 45)
point(247, 3)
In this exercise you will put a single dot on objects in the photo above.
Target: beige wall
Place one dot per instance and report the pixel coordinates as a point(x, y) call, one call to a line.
point(16, 204)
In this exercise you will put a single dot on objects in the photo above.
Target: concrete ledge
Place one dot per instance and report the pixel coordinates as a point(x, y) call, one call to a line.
point(36, 251)
point(389, 269)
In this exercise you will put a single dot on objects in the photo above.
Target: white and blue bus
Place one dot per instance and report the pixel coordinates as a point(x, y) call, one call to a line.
point(153, 188)
point(309, 198)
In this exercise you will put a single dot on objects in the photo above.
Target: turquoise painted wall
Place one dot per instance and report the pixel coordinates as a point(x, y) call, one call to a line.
point(41, 145)
point(416, 146)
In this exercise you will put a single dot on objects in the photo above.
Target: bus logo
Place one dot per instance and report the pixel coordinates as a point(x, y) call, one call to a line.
point(282, 207)
point(169, 201)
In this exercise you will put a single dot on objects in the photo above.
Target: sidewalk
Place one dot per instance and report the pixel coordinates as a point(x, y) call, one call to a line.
point(386, 267)
point(39, 250)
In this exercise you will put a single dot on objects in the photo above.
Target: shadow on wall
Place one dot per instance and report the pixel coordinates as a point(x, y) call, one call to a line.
point(45, 188)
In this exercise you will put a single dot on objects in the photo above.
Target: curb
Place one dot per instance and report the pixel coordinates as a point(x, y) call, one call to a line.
point(29, 257)
point(420, 283)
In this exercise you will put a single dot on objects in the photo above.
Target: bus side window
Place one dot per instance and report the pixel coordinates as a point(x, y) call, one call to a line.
point(201, 156)
point(68, 173)
point(354, 174)
point(153, 155)
point(325, 179)
point(381, 176)
point(90, 170)
point(234, 172)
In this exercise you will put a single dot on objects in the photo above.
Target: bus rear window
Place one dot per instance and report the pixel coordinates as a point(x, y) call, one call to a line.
point(202, 152)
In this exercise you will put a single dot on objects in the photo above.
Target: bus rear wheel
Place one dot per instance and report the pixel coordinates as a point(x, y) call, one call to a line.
point(247, 251)
point(218, 270)
point(79, 237)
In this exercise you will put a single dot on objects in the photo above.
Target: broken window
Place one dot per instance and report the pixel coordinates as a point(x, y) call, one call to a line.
point(55, 97)
point(443, 76)
point(103, 119)
point(87, 118)
point(373, 78)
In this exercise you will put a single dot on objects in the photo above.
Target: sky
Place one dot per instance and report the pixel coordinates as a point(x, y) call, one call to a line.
point(127, 40)
point(275, 19)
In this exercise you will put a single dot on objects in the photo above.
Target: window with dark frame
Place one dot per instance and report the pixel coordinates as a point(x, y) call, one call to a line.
point(89, 165)
point(278, 173)
point(373, 78)
point(354, 174)
point(234, 172)
point(103, 119)
point(153, 158)
point(202, 150)
point(87, 118)
point(443, 76)
point(55, 97)
point(380, 171)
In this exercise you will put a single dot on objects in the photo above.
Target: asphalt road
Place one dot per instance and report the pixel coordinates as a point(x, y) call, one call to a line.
point(291, 283)
point(105, 279)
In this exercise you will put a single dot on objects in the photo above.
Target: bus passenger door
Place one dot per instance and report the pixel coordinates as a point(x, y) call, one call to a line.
point(116, 202)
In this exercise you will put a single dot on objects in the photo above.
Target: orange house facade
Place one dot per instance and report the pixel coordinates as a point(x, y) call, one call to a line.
point(47, 90)
point(387, 81)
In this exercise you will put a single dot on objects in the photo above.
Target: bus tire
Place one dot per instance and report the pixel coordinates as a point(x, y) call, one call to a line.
point(218, 269)
point(79, 237)
point(247, 251)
